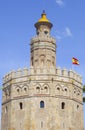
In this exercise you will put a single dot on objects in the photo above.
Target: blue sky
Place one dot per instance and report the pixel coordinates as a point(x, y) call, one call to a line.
point(17, 18)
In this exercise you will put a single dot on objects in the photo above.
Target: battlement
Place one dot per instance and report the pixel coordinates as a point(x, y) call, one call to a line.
point(15, 74)
point(69, 74)
point(63, 73)
point(43, 39)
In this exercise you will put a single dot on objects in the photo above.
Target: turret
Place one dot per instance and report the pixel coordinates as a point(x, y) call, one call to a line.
point(43, 46)
point(43, 26)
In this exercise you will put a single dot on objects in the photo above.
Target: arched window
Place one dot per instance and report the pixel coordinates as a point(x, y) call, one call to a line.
point(25, 89)
point(46, 89)
point(62, 105)
point(65, 89)
point(42, 104)
point(58, 88)
point(18, 90)
point(38, 89)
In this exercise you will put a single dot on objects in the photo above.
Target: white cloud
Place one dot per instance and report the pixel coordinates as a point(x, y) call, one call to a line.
point(67, 32)
point(64, 34)
point(60, 3)
point(58, 37)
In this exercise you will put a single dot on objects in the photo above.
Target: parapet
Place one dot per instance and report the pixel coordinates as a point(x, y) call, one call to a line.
point(43, 39)
point(69, 74)
point(15, 74)
point(63, 73)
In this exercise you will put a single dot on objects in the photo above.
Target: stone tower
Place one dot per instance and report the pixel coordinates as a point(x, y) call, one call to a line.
point(43, 97)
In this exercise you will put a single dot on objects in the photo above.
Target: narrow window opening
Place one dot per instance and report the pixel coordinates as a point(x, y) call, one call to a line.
point(25, 89)
point(42, 62)
point(78, 93)
point(18, 90)
point(77, 107)
point(63, 125)
point(41, 124)
point(32, 61)
point(58, 88)
point(53, 60)
point(66, 89)
point(6, 109)
point(53, 63)
point(74, 91)
point(63, 105)
point(42, 104)
point(46, 88)
point(21, 105)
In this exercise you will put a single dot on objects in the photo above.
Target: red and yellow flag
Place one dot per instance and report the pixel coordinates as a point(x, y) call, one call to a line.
point(75, 61)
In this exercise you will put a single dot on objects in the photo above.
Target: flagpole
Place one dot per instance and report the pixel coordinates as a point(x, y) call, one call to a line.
point(72, 64)
point(72, 67)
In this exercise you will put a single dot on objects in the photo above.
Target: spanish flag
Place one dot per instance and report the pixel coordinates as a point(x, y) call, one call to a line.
point(75, 61)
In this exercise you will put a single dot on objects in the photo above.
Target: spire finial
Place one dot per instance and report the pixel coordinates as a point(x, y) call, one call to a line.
point(43, 11)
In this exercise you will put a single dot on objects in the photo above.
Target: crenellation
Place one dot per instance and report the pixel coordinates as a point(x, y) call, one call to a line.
point(79, 78)
point(7, 77)
point(38, 70)
point(64, 72)
point(15, 74)
point(70, 73)
point(19, 73)
point(74, 75)
point(52, 70)
point(58, 71)
point(31, 71)
point(25, 71)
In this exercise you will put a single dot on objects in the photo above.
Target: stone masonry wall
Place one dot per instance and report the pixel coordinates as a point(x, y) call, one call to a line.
point(61, 93)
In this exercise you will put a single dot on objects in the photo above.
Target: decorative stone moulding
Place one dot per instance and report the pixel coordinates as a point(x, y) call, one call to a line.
point(43, 38)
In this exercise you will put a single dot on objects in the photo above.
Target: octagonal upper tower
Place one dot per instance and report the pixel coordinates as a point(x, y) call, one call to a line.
point(43, 45)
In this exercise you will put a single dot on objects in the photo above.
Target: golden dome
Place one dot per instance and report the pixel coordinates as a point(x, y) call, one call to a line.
point(43, 20)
